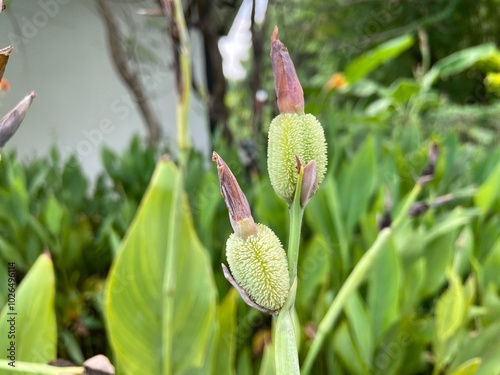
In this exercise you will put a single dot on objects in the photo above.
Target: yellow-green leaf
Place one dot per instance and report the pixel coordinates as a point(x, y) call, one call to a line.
point(468, 368)
point(160, 300)
point(32, 316)
point(450, 309)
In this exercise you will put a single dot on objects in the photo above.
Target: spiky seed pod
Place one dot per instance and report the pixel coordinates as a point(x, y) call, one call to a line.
point(259, 265)
point(291, 136)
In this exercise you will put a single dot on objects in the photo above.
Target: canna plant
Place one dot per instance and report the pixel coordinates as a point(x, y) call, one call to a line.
point(259, 269)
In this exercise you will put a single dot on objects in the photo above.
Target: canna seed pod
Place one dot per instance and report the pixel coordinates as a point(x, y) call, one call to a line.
point(259, 265)
point(293, 136)
point(256, 258)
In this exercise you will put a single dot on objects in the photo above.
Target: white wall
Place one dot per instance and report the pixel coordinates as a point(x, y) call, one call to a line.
point(61, 53)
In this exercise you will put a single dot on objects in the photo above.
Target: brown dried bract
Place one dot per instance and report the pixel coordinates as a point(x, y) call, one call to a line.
point(4, 57)
point(240, 214)
point(286, 83)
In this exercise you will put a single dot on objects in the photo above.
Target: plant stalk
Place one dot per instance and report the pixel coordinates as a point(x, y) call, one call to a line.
point(296, 215)
point(175, 10)
point(286, 354)
point(183, 104)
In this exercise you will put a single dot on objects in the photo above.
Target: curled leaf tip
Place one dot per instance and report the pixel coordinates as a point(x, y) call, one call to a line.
point(240, 214)
point(286, 83)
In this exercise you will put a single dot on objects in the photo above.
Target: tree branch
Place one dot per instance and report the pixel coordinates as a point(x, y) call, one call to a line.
point(130, 77)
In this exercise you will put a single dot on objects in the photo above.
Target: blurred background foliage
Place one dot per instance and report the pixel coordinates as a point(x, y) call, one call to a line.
point(387, 79)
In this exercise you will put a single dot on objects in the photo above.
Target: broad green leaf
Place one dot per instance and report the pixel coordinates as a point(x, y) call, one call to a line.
point(457, 62)
point(383, 291)
point(450, 309)
point(34, 321)
point(489, 192)
point(148, 334)
point(225, 344)
point(371, 60)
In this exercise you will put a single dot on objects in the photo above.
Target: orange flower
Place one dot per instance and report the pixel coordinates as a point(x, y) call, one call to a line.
point(4, 85)
point(336, 81)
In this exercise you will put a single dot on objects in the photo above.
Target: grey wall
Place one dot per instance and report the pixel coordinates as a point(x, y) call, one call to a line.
point(61, 53)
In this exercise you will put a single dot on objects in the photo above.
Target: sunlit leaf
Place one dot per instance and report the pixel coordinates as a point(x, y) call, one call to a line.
point(457, 62)
point(371, 60)
point(35, 321)
point(137, 302)
point(450, 309)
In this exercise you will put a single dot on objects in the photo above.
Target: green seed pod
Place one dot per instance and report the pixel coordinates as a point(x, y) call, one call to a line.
point(259, 265)
point(291, 136)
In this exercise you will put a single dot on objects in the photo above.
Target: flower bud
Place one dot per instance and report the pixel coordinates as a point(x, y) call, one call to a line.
point(286, 83)
point(236, 201)
point(259, 265)
point(12, 120)
point(293, 136)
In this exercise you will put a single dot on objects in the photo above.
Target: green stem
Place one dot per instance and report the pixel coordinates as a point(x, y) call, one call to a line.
point(296, 215)
point(184, 145)
point(183, 140)
point(286, 354)
point(356, 277)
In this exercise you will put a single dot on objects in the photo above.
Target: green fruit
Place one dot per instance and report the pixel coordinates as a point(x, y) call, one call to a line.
point(259, 265)
point(291, 136)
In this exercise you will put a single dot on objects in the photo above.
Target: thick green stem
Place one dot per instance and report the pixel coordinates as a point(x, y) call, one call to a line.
point(286, 354)
point(356, 277)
